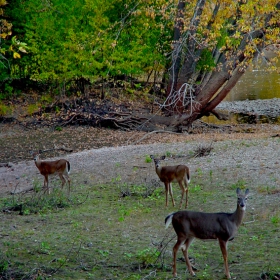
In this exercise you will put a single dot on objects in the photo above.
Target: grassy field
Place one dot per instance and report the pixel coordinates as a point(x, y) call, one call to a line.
point(116, 231)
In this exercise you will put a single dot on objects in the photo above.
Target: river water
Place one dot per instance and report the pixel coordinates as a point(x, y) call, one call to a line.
point(256, 84)
point(253, 85)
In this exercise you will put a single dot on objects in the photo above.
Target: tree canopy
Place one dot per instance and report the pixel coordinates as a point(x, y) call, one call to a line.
point(214, 43)
point(89, 39)
point(205, 46)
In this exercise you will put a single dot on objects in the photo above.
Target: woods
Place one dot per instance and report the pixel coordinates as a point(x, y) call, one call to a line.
point(193, 52)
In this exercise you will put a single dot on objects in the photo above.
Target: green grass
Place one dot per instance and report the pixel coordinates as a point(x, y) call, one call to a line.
point(116, 231)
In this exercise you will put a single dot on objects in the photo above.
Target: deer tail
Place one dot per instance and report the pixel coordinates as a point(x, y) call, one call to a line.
point(188, 175)
point(68, 167)
point(168, 220)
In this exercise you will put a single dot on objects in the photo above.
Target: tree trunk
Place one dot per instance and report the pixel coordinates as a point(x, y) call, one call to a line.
point(176, 58)
point(195, 93)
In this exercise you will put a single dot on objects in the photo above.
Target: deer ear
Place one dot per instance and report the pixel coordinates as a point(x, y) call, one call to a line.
point(40, 151)
point(163, 157)
point(238, 191)
point(151, 156)
point(247, 192)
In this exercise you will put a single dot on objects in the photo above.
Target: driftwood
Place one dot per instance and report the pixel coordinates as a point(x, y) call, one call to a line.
point(104, 113)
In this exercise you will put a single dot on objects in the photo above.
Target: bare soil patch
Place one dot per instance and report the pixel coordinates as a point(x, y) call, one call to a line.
point(95, 151)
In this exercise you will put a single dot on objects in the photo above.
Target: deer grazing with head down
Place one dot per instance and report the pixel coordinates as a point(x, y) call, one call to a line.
point(222, 226)
point(46, 168)
point(169, 174)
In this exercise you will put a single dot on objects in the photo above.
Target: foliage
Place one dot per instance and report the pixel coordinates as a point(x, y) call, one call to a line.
point(214, 43)
point(4, 109)
point(10, 47)
point(89, 39)
point(39, 202)
point(148, 159)
point(94, 40)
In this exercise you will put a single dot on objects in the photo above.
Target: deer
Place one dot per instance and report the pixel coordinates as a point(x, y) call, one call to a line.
point(169, 174)
point(46, 168)
point(206, 226)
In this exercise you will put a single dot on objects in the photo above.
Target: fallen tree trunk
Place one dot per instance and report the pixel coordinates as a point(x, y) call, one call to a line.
point(107, 115)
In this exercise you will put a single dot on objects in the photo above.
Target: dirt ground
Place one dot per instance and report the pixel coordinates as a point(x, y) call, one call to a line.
point(106, 161)
point(98, 155)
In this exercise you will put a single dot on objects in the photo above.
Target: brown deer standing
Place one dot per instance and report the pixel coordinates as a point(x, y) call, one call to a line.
point(221, 226)
point(46, 168)
point(169, 174)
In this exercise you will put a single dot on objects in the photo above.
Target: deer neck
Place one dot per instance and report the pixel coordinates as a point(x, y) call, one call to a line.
point(158, 170)
point(37, 162)
point(238, 215)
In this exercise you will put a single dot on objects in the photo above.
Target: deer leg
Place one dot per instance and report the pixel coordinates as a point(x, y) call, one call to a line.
point(185, 252)
point(175, 250)
point(223, 246)
point(46, 184)
point(62, 179)
point(183, 192)
point(166, 193)
point(187, 191)
point(171, 194)
point(68, 180)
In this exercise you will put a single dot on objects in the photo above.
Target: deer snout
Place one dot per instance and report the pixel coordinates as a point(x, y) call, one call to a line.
point(243, 206)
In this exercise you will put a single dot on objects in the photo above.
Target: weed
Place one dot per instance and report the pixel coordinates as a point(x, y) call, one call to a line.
point(38, 202)
point(268, 189)
point(4, 265)
point(149, 189)
point(168, 154)
point(205, 272)
point(275, 220)
point(46, 98)
point(104, 253)
point(245, 144)
point(191, 153)
point(117, 179)
point(44, 248)
point(57, 109)
point(5, 110)
point(147, 256)
point(125, 190)
point(156, 194)
point(123, 212)
point(195, 188)
point(148, 159)
point(199, 172)
point(242, 184)
point(58, 128)
point(32, 108)
point(128, 255)
point(254, 238)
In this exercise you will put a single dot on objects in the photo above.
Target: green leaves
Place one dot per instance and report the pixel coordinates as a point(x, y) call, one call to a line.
point(88, 39)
